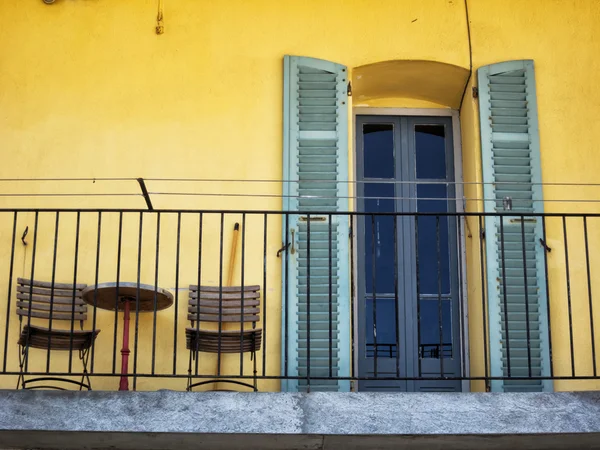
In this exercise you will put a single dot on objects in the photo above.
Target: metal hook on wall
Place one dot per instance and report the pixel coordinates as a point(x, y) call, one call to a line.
point(25, 234)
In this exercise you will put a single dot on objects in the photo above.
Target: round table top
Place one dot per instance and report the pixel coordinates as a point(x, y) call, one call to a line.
point(104, 296)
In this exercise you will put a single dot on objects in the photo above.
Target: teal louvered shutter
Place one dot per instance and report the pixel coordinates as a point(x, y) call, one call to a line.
point(315, 173)
point(516, 284)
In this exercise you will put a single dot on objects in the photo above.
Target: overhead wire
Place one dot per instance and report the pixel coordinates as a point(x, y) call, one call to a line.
point(448, 184)
point(275, 180)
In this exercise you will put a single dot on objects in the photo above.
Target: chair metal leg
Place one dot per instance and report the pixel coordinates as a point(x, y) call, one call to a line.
point(253, 357)
point(189, 380)
point(84, 355)
point(255, 378)
point(22, 357)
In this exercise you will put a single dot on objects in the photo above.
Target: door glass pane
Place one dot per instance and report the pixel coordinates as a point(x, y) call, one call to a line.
point(386, 328)
point(433, 257)
point(430, 151)
point(430, 346)
point(379, 238)
point(378, 150)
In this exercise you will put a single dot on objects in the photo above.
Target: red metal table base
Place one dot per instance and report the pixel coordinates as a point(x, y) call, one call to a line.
point(124, 383)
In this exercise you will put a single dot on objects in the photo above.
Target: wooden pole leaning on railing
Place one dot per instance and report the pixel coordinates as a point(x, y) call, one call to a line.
point(233, 253)
point(232, 258)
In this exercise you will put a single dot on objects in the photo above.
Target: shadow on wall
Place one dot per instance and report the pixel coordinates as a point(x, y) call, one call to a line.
point(432, 81)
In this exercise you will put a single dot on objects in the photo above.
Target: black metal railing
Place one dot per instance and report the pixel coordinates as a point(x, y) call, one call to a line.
point(432, 297)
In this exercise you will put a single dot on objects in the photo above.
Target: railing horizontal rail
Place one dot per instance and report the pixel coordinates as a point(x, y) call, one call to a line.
point(301, 212)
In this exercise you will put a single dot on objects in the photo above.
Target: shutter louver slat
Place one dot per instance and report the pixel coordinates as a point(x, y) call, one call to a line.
point(316, 153)
point(511, 169)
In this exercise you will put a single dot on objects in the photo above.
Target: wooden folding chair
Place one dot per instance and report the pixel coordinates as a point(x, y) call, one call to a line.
point(233, 307)
point(52, 302)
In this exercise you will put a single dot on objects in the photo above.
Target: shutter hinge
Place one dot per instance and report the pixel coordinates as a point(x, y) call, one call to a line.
point(349, 89)
point(475, 92)
point(482, 234)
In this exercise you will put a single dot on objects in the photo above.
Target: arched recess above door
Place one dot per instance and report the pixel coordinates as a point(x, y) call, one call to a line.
point(431, 81)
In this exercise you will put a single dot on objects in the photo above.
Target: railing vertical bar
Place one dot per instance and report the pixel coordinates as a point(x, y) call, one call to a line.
point(352, 293)
point(330, 297)
point(33, 253)
point(286, 297)
point(137, 301)
point(96, 276)
point(10, 283)
point(568, 280)
point(197, 355)
point(589, 286)
point(264, 309)
point(242, 280)
point(483, 305)
point(374, 293)
point(547, 297)
point(75, 266)
point(459, 247)
point(527, 327)
point(505, 299)
point(221, 235)
point(397, 299)
point(440, 308)
point(420, 353)
point(176, 310)
point(52, 282)
point(308, 302)
point(116, 318)
point(155, 300)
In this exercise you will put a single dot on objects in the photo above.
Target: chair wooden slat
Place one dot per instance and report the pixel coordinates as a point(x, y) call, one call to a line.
point(48, 284)
point(211, 342)
point(227, 304)
point(224, 288)
point(224, 311)
point(43, 338)
point(56, 308)
point(55, 316)
point(48, 292)
point(46, 299)
point(225, 296)
point(224, 318)
point(202, 348)
point(223, 332)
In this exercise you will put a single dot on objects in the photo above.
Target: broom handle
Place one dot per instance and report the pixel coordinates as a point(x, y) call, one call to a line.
point(234, 241)
point(232, 255)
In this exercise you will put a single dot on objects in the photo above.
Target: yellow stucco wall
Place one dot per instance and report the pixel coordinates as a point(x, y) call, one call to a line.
point(87, 89)
point(563, 39)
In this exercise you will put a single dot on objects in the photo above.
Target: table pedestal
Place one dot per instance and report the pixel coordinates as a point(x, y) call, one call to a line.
point(124, 383)
point(144, 297)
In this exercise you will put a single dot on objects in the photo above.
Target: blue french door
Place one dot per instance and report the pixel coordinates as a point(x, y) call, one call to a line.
point(408, 298)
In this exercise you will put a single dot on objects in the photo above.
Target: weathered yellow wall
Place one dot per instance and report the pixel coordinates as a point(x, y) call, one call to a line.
point(563, 39)
point(89, 90)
